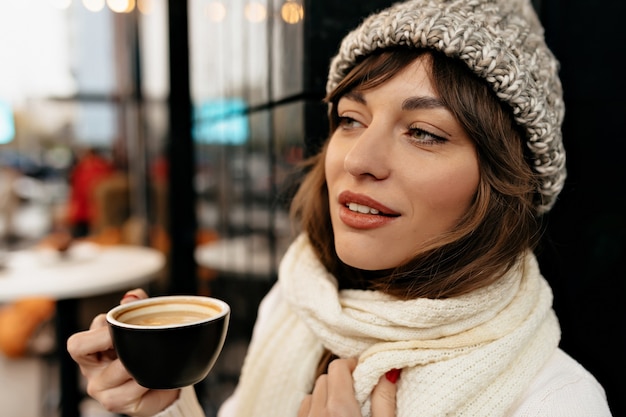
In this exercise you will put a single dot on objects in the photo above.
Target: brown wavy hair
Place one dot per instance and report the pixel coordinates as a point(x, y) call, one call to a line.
point(501, 223)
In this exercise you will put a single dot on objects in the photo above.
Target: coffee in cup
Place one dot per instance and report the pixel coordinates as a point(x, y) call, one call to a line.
point(169, 341)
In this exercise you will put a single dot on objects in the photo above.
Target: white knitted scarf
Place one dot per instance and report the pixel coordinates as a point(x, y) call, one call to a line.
point(466, 356)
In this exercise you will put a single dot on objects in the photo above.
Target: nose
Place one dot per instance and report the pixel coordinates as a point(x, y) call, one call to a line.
point(370, 153)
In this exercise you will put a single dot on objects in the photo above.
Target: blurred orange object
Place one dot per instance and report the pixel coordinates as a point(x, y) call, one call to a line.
point(58, 240)
point(19, 321)
point(108, 236)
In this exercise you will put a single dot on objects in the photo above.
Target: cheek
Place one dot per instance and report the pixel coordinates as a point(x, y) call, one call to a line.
point(333, 163)
point(456, 193)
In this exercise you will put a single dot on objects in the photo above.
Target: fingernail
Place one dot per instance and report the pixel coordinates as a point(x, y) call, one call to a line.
point(129, 297)
point(393, 375)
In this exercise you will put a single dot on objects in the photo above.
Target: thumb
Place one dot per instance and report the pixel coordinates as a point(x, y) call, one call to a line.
point(384, 395)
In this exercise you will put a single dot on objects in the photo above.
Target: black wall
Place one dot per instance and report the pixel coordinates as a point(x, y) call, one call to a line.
point(585, 249)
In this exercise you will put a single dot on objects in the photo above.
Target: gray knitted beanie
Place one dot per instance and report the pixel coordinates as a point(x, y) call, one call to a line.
point(502, 42)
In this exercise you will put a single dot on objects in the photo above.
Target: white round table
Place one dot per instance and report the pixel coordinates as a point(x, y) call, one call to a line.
point(251, 256)
point(87, 270)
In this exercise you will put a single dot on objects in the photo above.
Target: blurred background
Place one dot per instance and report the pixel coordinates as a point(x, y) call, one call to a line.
point(183, 121)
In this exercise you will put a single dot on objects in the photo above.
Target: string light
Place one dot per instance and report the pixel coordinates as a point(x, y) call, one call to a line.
point(93, 5)
point(291, 12)
point(215, 11)
point(255, 12)
point(121, 6)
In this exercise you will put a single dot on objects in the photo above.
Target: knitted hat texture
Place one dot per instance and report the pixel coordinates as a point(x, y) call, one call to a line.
point(502, 42)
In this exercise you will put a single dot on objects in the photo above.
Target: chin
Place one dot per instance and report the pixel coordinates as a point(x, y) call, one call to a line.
point(365, 260)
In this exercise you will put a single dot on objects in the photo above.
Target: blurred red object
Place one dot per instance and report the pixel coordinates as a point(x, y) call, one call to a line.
point(90, 169)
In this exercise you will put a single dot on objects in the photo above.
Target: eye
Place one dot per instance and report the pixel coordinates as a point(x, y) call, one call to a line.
point(346, 122)
point(424, 137)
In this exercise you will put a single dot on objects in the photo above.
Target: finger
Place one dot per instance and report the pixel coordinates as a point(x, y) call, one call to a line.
point(155, 401)
point(384, 395)
point(108, 380)
point(90, 348)
point(88, 342)
point(114, 375)
point(99, 321)
point(133, 399)
point(341, 398)
point(133, 295)
point(350, 363)
point(340, 374)
point(116, 387)
point(118, 396)
point(319, 396)
point(305, 406)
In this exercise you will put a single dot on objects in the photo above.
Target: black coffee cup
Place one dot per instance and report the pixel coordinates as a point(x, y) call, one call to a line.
point(171, 341)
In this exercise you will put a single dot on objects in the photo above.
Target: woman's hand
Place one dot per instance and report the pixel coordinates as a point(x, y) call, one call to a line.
point(107, 380)
point(333, 394)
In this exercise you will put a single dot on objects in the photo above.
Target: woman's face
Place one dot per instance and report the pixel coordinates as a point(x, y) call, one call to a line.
point(400, 170)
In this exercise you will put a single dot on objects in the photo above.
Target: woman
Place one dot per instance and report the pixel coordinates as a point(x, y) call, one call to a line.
point(412, 289)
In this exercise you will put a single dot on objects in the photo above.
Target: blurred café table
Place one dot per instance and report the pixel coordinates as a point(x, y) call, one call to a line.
point(251, 256)
point(86, 269)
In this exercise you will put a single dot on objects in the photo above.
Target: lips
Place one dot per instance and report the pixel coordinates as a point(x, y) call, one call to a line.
point(360, 203)
point(361, 212)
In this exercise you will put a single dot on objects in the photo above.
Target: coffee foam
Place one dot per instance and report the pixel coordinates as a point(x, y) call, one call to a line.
point(137, 310)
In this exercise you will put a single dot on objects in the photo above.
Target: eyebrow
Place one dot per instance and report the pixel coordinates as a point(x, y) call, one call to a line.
point(422, 102)
point(355, 96)
point(411, 103)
